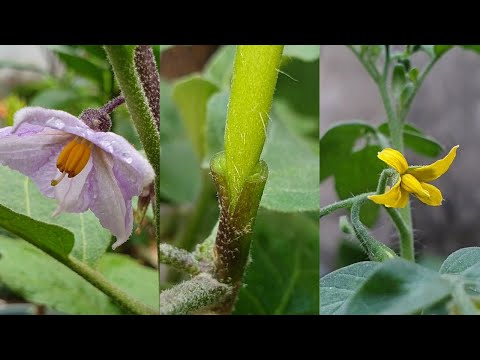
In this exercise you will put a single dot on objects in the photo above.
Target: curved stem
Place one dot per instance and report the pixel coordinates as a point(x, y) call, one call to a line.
point(371, 70)
point(407, 250)
point(347, 203)
point(384, 177)
point(375, 250)
point(100, 282)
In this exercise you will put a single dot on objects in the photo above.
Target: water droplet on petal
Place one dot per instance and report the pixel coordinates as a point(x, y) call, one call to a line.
point(127, 158)
point(56, 123)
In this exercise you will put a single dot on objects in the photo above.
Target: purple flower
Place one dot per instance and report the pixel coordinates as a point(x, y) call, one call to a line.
point(81, 168)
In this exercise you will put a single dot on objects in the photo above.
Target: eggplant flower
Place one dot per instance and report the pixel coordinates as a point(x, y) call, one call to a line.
point(80, 166)
point(413, 180)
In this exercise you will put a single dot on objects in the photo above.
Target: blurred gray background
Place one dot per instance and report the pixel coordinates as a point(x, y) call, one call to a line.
point(447, 107)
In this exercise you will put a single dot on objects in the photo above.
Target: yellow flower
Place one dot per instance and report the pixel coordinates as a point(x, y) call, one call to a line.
point(413, 179)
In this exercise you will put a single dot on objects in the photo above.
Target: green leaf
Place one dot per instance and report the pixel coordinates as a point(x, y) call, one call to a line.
point(398, 79)
point(293, 182)
point(358, 174)
point(406, 93)
point(48, 237)
point(398, 287)
point(416, 140)
point(413, 74)
point(283, 276)
point(19, 194)
point(462, 269)
point(133, 278)
point(191, 96)
point(219, 68)
point(40, 279)
point(339, 286)
point(303, 52)
point(74, 60)
point(465, 263)
point(337, 143)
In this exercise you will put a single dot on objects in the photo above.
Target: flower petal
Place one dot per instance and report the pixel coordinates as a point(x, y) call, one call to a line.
point(74, 195)
point(435, 170)
point(33, 152)
point(108, 203)
point(412, 185)
point(394, 158)
point(391, 197)
point(435, 195)
point(132, 170)
point(37, 116)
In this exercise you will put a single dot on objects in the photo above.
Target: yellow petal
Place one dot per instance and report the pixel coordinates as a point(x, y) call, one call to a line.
point(412, 185)
point(394, 158)
point(390, 198)
point(435, 195)
point(435, 170)
point(403, 201)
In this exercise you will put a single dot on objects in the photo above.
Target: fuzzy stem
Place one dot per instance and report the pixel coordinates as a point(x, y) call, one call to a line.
point(112, 104)
point(253, 84)
point(193, 295)
point(121, 59)
point(232, 242)
point(150, 79)
point(384, 177)
point(100, 282)
point(347, 203)
point(407, 250)
point(181, 259)
point(375, 250)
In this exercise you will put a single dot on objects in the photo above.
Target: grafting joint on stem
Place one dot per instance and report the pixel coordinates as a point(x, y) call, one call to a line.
point(232, 244)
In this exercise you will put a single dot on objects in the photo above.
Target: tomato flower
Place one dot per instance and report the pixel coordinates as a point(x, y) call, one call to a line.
point(413, 179)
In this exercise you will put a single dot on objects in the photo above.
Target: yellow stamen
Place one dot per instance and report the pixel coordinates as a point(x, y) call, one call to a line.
point(73, 158)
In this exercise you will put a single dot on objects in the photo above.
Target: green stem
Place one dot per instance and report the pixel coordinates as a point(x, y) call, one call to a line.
point(253, 84)
point(181, 260)
point(100, 282)
point(387, 62)
point(407, 250)
point(347, 203)
point(384, 177)
point(375, 250)
point(121, 58)
point(371, 70)
point(193, 295)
